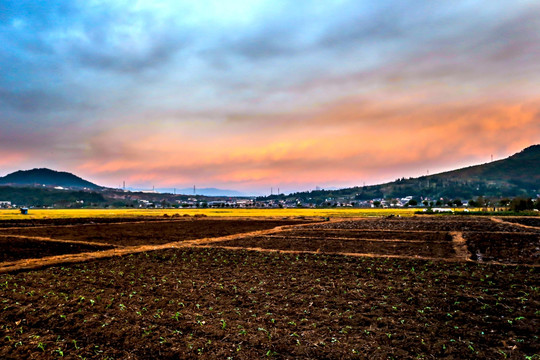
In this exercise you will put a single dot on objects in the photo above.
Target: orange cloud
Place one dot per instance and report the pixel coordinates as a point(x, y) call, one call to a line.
point(344, 143)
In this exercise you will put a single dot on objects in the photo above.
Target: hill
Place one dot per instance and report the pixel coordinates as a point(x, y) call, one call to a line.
point(517, 175)
point(522, 168)
point(46, 177)
point(39, 196)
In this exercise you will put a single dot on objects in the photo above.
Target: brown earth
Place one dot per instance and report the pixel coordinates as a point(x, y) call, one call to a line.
point(149, 233)
point(74, 221)
point(177, 301)
point(215, 304)
point(369, 234)
point(15, 248)
point(428, 223)
point(408, 248)
point(504, 247)
point(527, 221)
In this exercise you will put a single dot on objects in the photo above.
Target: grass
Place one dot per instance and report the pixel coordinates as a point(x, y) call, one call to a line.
point(79, 213)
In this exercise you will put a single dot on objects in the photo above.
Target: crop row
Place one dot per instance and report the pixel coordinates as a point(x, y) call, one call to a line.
point(217, 303)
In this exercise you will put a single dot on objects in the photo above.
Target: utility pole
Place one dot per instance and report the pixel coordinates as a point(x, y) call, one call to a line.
point(194, 190)
point(124, 187)
point(271, 191)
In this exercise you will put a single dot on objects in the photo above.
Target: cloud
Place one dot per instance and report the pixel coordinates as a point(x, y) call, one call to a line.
point(248, 94)
point(339, 146)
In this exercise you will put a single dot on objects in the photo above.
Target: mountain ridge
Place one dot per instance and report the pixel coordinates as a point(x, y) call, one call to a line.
point(516, 175)
point(46, 177)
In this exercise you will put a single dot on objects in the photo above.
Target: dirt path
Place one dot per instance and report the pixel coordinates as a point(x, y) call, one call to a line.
point(458, 243)
point(372, 255)
point(460, 246)
point(501, 221)
point(31, 264)
point(40, 238)
point(315, 230)
point(358, 239)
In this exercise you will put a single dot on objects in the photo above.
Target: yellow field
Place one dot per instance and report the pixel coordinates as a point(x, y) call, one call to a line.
point(78, 213)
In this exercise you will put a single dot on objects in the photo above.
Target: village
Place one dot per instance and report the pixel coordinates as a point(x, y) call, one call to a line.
point(252, 202)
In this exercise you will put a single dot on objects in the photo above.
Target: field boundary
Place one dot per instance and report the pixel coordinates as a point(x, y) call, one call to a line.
point(38, 263)
point(361, 239)
point(64, 241)
point(501, 221)
point(459, 245)
point(370, 255)
point(371, 230)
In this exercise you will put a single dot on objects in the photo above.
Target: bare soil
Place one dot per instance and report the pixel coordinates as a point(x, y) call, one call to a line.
point(370, 234)
point(14, 248)
point(504, 247)
point(424, 249)
point(156, 301)
point(74, 221)
point(150, 233)
point(427, 223)
point(529, 221)
point(215, 304)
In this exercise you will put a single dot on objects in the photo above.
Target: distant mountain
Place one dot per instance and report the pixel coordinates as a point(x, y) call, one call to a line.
point(517, 175)
point(47, 177)
point(202, 191)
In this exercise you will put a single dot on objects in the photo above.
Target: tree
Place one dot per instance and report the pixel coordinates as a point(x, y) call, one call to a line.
point(521, 204)
point(376, 203)
point(504, 202)
point(457, 202)
point(481, 202)
point(412, 202)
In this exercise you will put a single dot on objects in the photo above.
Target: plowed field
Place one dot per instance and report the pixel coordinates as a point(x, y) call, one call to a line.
point(369, 289)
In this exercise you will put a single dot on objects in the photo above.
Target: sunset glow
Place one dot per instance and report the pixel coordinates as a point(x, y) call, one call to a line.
point(251, 95)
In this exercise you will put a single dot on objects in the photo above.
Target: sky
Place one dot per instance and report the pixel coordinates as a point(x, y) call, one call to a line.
point(249, 95)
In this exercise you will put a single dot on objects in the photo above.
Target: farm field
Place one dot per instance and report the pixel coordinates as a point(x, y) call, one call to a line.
point(148, 233)
point(128, 213)
point(378, 288)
